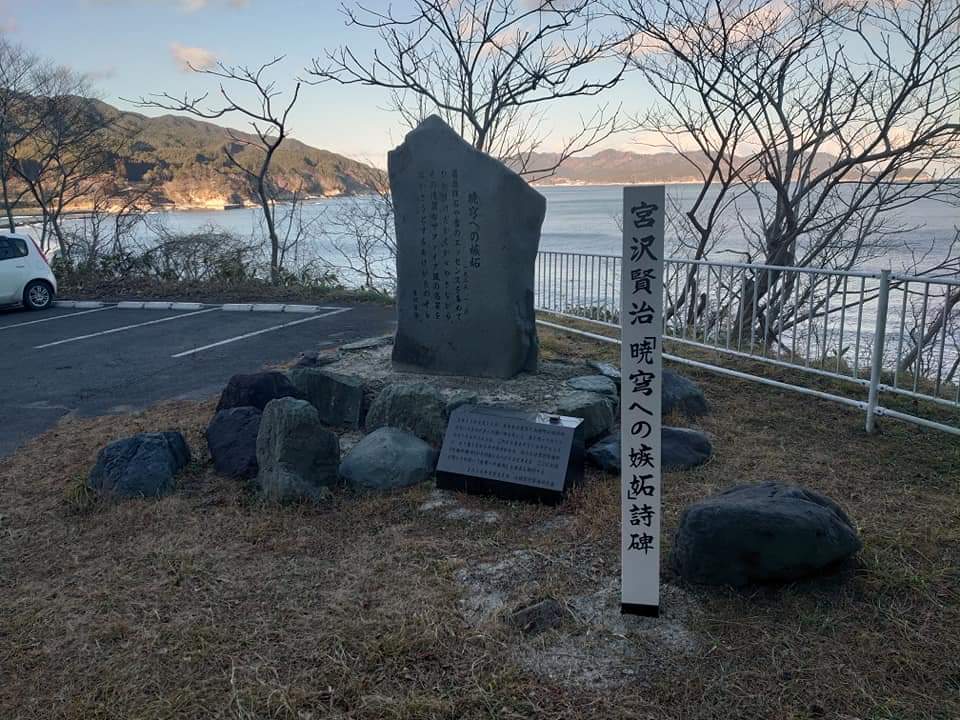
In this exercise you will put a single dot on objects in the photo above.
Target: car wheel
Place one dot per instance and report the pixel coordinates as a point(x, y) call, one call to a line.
point(38, 295)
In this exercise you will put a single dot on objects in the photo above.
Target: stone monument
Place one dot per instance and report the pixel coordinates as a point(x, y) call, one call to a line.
point(468, 229)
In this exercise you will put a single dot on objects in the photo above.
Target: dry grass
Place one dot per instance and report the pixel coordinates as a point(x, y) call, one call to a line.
point(207, 604)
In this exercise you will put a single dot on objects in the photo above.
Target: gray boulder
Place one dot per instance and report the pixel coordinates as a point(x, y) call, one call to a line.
point(417, 408)
point(605, 453)
point(297, 456)
point(337, 397)
point(681, 449)
point(758, 533)
point(315, 359)
point(232, 440)
point(599, 384)
point(140, 466)
point(596, 410)
point(680, 393)
point(256, 390)
point(607, 370)
point(467, 232)
point(370, 343)
point(459, 399)
point(388, 459)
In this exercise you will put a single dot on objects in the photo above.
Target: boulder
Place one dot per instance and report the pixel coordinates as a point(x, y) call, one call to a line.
point(315, 359)
point(459, 399)
point(140, 466)
point(232, 440)
point(605, 453)
point(417, 408)
point(596, 410)
point(599, 384)
point(388, 459)
point(607, 370)
point(683, 395)
point(297, 456)
point(759, 533)
point(337, 397)
point(368, 343)
point(256, 390)
point(681, 449)
point(467, 232)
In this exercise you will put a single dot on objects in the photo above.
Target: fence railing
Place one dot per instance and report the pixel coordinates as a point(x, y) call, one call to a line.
point(881, 332)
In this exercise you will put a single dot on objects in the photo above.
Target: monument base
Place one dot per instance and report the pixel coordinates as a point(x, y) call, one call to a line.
point(651, 611)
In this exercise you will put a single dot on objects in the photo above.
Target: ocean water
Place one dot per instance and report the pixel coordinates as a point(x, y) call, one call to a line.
point(584, 220)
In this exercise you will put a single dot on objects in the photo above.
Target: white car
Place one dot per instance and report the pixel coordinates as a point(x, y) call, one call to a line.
point(25, 274)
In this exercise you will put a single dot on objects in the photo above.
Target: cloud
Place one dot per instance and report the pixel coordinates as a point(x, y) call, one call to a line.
point(192, 57)
point(8, 23)
point(186, 6)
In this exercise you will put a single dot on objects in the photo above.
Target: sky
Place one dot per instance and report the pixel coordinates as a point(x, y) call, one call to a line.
point(131, 48)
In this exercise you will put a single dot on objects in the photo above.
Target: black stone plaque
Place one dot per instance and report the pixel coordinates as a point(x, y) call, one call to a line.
point(512, 454)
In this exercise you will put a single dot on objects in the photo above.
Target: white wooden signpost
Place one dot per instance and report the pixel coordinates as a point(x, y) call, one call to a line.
point(641, 321)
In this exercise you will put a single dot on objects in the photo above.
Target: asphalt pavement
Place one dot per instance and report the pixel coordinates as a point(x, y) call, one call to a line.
point(89, 362)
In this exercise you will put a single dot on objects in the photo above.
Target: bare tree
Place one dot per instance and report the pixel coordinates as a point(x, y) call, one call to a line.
point(491, 69)
point(359, 234)
point(70, 150)
point(23, 77)
point(825, 117)
point(266, 114)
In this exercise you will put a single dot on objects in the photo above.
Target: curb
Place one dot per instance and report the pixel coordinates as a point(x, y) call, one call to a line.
point(78, 304)
point(160, 305)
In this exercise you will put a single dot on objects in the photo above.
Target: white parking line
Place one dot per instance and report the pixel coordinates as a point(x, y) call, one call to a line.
point(259, 332)
point(124, 328)
point(58, 317)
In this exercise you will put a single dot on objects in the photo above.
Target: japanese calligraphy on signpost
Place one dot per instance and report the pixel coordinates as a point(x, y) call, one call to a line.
point(641, 368)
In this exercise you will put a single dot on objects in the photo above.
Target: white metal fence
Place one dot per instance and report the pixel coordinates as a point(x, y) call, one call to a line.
point(879, 332)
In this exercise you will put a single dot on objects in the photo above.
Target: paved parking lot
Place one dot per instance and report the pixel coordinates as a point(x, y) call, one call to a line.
point(107, 360)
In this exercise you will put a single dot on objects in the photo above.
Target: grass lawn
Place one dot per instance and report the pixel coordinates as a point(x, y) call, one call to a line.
point(208, 604)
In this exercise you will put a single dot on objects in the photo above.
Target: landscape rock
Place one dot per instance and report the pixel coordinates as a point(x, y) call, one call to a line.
point(337, 397)
point(758, 533)
point(605, 453)
point(144, 465)
point(256, 390)
point(607, 370)
point(417, 408)
point(232, 440)
point(599, 384)
point(596, 410)
point(680, 393)
point(461, 398)
point(316, 359)
point(297, 456)
point(368, 343)
point(681, 449)
point(388, 459)
point(464, 278)
point(534, 619)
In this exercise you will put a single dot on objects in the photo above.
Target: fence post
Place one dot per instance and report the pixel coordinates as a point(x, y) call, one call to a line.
point(878, 339)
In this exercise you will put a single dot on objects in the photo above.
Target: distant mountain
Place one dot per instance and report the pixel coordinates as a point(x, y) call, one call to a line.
point(618, 167)
point(186, 158)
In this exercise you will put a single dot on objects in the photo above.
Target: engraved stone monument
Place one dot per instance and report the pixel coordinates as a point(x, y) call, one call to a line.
point(513, 454)
point(468, 229)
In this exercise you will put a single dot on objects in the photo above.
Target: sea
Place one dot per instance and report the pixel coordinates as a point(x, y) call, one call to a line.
point(585, 219)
